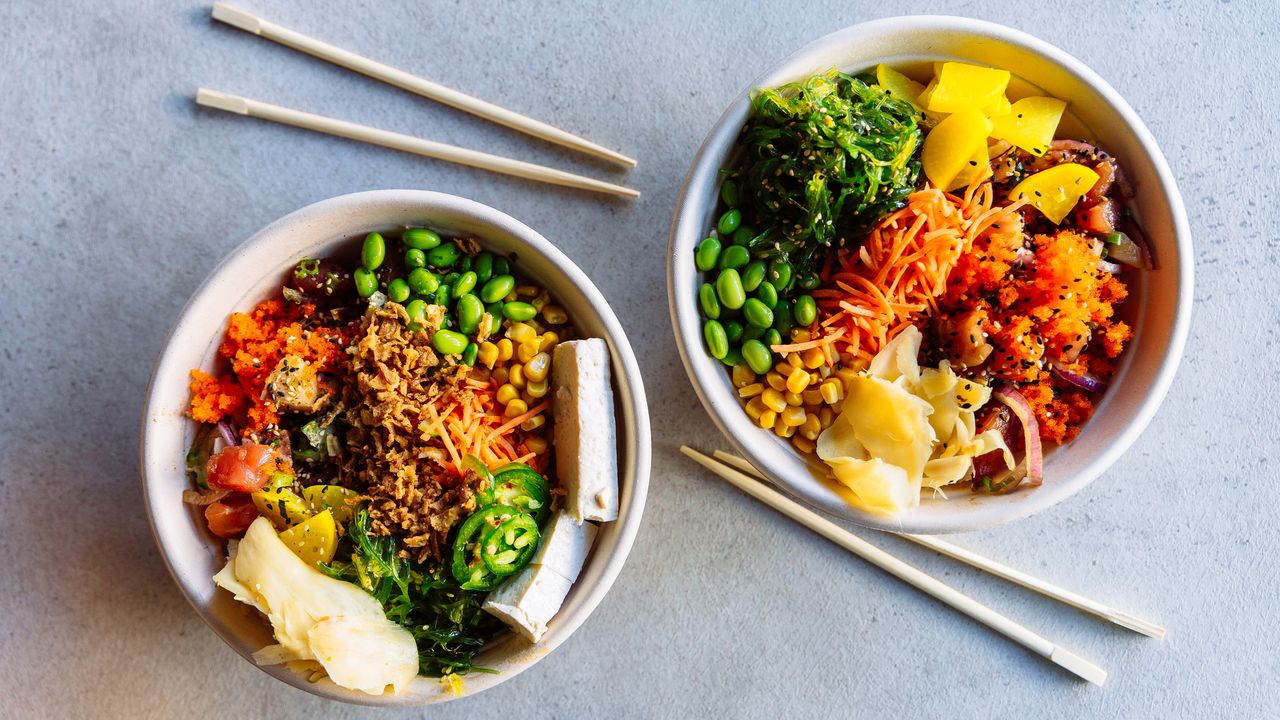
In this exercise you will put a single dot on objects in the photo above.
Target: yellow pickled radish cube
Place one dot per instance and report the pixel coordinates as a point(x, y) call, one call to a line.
point(338, 500)
point(1030, 124)
point(1056, 191)
point(968, 87)
point(949, 148)
point(282, 507)
point(314, 540)
point(998, 107)
point(899, 85)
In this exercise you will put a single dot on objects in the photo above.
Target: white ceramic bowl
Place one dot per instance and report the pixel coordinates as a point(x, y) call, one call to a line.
point(255, 271)
point(1160, 301)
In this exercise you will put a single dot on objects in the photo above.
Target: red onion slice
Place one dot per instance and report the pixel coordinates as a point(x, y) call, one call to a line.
point(1084, 381)
point(228, 434)
point(207, 496)
point(1034, 458)
point(1109, 267)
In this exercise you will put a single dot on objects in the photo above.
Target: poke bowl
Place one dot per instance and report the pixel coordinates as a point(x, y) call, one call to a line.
point(371, 483)
point(978, 271)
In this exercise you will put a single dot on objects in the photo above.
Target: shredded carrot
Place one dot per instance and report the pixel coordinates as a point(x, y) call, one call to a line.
point(818, 342)
point(897, 274)
point(513, 422)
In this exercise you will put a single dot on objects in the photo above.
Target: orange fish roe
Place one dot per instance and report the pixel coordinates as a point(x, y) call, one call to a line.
point(213, 398)
point(1057, 309)
point(254, 345)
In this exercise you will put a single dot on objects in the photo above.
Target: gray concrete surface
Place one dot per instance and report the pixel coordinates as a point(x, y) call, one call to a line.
point(117, 195)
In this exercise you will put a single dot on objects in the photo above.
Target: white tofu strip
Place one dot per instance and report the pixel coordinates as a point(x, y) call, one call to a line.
point(529, 600)
point(586, 451)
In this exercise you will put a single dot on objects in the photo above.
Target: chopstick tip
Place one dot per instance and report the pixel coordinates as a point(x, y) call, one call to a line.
point(1078, 666)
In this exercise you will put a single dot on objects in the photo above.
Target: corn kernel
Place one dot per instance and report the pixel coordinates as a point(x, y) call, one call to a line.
point(536, 389)
point(487, 354)
point(555, 315)
point(783, 368)
point(811, 426)
point(803, 444)
point(507, 393)
point(751, 390)
point(526, 290)
point(516, 408)
point(825, 371)
point(776, 381)
point(521, 333)
point(533, 423)
point(797, 380)
point(541, 301)
point(767, 419)
point(755, 407)
point(499, 376)
point(832, 391)
point(537, 367)
point(548, 341)
point(516, 375)
point(773, 400)
point(511, 297)
point(847, 377)
point(812, 396)
point(505, 350)
point(526, 351)
point(814, 359)
point(792, 398)
point(784, 430)
point(793, 416)
point(535, 444)
point(741, 375)
point(799, 335)
point(826, 416)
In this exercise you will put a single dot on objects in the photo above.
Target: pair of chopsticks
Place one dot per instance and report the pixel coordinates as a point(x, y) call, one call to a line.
point(742, 475)
point(494, 163)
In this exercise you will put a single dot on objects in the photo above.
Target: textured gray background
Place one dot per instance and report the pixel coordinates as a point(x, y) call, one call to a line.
point(118, 195)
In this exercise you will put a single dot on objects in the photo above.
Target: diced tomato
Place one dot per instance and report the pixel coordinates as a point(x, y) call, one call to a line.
point(230, 516)
point(242, 468)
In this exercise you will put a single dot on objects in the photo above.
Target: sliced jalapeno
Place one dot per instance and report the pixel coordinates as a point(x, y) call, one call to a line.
point(469, 568)
point(509, 547)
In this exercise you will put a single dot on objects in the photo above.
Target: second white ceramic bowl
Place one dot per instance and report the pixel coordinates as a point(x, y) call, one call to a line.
point(1159, 304)
point(254, 272)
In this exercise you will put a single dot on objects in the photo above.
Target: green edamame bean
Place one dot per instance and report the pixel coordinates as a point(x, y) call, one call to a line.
point(498, 286)
point(495, 309)
point(771, 337)
point(744, 235)
point(448, 342)
point(767, 294)
point(707, 299)
point(464, 264)
point(465, 284)
point(733, 357)
point(417, 309)
point(729, 193)
point(423, 282)
point(779, 274)
point(374, 251)
point(444, 256)
point(805, 311)
point(717, 342)
point(469, 354)
point(734, 256)
point(757, 313)
point(484, 267)
point(398, 290)
point(751, 332)
point(414, 258)
point(443, 293)
point(706, 255)
point(759, 358)
point(729, 222)
point(809, 281)
point(451, 278)
point(470, 310)
point(753, 275)
point(733, 330)
point(501, 266)
point(420, 239)
point(782, 319)
point(519, 311)
point(366, 282)
point(729, 289)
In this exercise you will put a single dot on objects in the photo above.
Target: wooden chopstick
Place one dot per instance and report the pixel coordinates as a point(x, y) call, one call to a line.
point(907, 573)
point(248, 22)
point(1017, 577)
point(407, 143)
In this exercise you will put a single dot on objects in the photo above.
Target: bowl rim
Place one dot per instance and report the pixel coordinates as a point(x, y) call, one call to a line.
point(687, 222)
point(634, 434)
